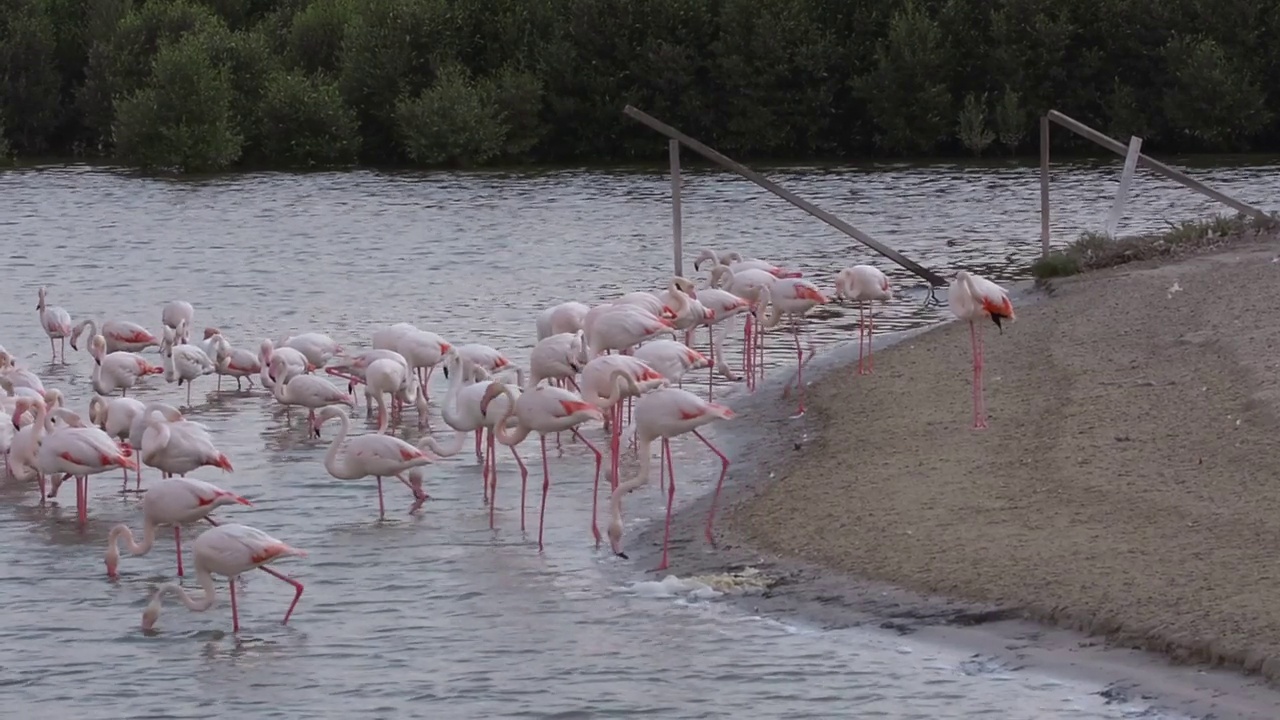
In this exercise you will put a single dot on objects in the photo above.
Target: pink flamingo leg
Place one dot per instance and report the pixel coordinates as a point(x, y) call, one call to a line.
point(382, 507)
point(524, 483)
point(177, 541)
point(871, 329)
point(862, 332)
point(479, 452)
point(82, 494)
point(746, 351)
point(715, 498)
point(795, 333)
point(977, 374)
point(982, 366)
point(671, 502)
point(546, 487)
point(235, 611)
point(711, 363)
point(493, 476)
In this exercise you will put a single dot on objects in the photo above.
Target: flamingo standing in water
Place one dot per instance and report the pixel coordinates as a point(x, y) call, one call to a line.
point(120, 335)
point(601, 388)
point(566, 317)
point(78, 451)
point(542, 409)
point(974, 298)
point(175, 313)
point(308, 391)
point(174, 501)
point(746, 284)
point(374, 455)
point(666, 413)
point(229, 550)
point(295, 363)
point(56, 323)
point(722, 307)
point(864, 284)
point(183, 362)
point(115, 417)
point(671, 359)
point(119, 370)
point(317, 348)
point(461, 411)
point(175, 445)
point(793, 297)
point(558, 358)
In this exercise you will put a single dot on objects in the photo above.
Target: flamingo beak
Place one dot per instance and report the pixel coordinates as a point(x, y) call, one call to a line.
point(815, 295)
point(243, 500)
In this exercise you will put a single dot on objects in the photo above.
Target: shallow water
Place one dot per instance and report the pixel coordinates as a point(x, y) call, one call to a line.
point(439, 616)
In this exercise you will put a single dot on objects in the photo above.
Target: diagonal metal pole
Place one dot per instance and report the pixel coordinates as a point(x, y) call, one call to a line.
point(714, 156)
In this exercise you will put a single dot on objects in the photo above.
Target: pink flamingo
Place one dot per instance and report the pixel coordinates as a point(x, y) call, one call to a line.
point(377, 455)
point(115, 417)
point(295, 364)
point(542, 409)
point(423, 350)
point(566, 317)
point(558, 358)
point(175, 445)
point(78, 451)
point(175, 501)
point(119, 370)
point(671, 359)
point(119, 335)
point(619, 326)
point(601, 388)
point(722, 307)
point(461, 411)
point(229, 550)
point(57, 325)
point(176, 315)
point(746, 284)
point(736, 262)
point(666, 413)
point(317, 348)
point(974, 298)
point(309, 391)
point(793, 297)
point(864, 285)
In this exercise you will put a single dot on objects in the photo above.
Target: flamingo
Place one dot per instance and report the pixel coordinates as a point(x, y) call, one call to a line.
point(666, 413)
point(736, 262)
point(746, 284)
point(461, 411)
point(566, 317)
point(175, 445)
point(119, 334)
point(174, 501)
point(542, 409)
point(295, 364)
point(972, 297)
point(423, 350)
point(228, 550)
point(352, 367)
point(794, 297)
point(387, 376)
point(308, 391)
point(119, 370)
point(317, 348)
point(115, 417)
point(620, 326)
point(558, 358)
point(21, 458)
point(864, 284)
point(377, 455)
point(722, 307)
point(78, 452)
point(57, 325)
point(670, 358)
point(175, 313)
point(183, 362)
point(486, 361)
point(232, 361)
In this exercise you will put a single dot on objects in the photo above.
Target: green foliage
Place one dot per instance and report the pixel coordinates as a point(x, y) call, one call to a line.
point(303, 121)
point(455, 122)
point(972, 131)
point(490, 81)
point(182, 119)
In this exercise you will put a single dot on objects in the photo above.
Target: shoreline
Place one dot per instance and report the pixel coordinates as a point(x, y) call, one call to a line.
point(1053, 639)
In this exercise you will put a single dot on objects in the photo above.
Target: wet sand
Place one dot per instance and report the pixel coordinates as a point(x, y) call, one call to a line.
point(1127, 488)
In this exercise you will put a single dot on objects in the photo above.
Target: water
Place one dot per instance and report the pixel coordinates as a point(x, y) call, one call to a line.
point(438, 616)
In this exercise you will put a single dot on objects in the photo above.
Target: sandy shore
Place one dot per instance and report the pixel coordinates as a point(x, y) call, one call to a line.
point(1127, 488)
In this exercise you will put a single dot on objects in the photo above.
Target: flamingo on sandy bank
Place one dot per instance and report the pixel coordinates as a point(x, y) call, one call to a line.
point(864, 285)
point(974, 298)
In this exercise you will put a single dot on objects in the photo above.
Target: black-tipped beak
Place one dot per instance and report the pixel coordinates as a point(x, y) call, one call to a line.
point(996, 320)
point(622, 555)
point(446, 373)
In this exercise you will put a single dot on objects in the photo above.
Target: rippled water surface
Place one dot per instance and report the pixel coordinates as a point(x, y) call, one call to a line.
point(439, 616)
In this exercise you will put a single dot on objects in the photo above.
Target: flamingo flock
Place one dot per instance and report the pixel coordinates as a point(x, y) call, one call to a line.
point(587, 360)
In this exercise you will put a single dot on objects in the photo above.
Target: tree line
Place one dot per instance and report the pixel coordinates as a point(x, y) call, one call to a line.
point(199, 85)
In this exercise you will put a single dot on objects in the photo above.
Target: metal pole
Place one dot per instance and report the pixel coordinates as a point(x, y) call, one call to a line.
point(1126, 179)
point(677, 230)
point(1044, 186)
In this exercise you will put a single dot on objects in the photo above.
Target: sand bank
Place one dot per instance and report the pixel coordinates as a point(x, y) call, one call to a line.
point(1129, 486)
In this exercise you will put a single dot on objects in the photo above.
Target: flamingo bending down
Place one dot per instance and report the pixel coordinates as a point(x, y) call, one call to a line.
point(175, 501)
point(620, 326)
point(664, 414)
point(317, 348)
point(228, 550)
point(722, 307)
point(558, 357)
point(57, 325)
point(423, 350)
point(174, 314)
point(566, 317)
point(119, 335)
point(734, 260)
point(864, 284)
point(374, 455)
point(308, 391)
point(793, 297)
point(119, 370)
point(295, 363)
point(746, 284)
point(542, 409)
point(232, 361)
point(670, 358)
point(115, 417)
point(461, 411)
point(973, 298)
point(389, 376)
point(601, 388)
point(175, 445)
point(485, 361)
point(183, 362)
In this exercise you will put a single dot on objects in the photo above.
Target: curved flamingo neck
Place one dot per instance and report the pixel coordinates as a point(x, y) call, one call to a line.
point(643, 447)
point(620, 384)
point(148, 538)
point(774, 316)
point(176, 590)
point(500, 428)
point(340, 467)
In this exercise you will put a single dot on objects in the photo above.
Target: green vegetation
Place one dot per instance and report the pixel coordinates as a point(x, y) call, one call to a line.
point(201, 85)
point(1095, 251)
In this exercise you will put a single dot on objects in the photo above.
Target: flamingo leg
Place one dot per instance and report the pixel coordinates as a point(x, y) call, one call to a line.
point(53, 350)
point(493, 475)
point(177, 542)
point(188, 393)
point(595, 492)
point(235, 611)
point(746, 351)
point(871, 329)
point(546, 487)
point(724, 470)
point(82, 493)
point(382, 507)
point(524, 483)
point(479, 452)
point(711, 363)
point(671, 502)
point(982, 366)
point(795, 333)
point(419, 495)
point(862, 333)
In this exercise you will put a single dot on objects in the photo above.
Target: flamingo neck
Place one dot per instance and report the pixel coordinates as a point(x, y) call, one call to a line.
point(176, 590)
point(340, 467)
point(123, 531)
point(643, 447)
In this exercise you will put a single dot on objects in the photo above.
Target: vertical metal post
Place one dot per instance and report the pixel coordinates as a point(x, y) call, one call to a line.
point(1044, 186)
point(677, 230)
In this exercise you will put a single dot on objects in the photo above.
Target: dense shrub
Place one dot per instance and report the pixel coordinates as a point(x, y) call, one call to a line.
point(475, 81)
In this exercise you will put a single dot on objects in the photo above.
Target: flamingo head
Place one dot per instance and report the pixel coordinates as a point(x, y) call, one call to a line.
point(210, 332)
point(97, 348)
point(615, 538)
point(40, 303)
point(490, 394)
point(112, 558)
point(685, 285)
point(152, 613)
